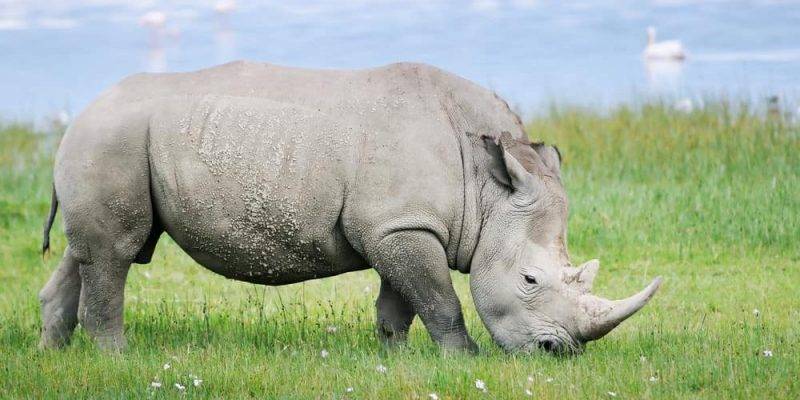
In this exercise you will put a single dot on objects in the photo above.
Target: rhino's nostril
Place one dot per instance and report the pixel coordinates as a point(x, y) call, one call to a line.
point(548, 345)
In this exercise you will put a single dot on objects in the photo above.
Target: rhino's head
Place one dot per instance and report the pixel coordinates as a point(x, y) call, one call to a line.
point(525, 289)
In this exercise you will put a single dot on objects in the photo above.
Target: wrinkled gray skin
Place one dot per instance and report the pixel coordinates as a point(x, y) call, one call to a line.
point(276, 175)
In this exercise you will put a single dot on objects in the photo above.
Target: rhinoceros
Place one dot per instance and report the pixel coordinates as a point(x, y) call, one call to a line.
point(276, 175)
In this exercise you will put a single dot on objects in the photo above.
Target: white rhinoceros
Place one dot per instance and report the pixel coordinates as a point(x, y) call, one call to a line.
point(276, 175)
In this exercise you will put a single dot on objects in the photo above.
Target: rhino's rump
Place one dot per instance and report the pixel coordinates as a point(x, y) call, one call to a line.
point(253, 188)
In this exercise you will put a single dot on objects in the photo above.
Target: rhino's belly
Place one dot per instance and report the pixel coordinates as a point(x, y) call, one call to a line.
point(273, 263)
point(269, 240)
point(250, 191)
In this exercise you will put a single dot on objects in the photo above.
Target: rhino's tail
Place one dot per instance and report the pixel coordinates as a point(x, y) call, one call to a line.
point(49, 223)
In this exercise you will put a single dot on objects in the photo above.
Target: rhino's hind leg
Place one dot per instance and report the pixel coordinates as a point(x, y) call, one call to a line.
point(59, 303)
point(101, 301)
point(102, 181)
point(108, 249)
point(394, 315)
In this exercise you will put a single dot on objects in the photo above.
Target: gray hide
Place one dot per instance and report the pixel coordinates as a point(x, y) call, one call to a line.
point(276, 175)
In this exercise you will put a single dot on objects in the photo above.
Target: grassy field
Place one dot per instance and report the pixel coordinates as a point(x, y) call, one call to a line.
point(710, 200)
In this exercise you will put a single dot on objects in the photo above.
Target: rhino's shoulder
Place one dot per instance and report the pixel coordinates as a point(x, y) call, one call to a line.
point(473, 106)
point(412, 68)
point(424, 76)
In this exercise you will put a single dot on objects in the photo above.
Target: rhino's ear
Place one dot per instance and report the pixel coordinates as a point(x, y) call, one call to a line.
point(521, 179)
point(498, 165)
point(551, 157)
point(506, 168)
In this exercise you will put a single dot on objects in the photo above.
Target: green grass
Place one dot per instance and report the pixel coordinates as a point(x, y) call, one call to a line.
point(710, 200)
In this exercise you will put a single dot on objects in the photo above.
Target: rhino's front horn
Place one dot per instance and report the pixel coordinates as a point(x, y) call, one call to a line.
point(604, 315)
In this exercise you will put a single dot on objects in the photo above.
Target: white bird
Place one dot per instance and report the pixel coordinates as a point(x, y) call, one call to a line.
point(225, 6)
point(153, 19)
point(684, 105)
point(666, 50)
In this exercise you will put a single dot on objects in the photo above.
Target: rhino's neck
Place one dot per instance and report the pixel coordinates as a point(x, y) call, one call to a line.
point(475, 166)
point(470, 216)
point(475, 163)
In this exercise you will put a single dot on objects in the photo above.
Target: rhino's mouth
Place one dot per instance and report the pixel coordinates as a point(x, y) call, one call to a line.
point(542, 335)
point(553, 344)
point(548, 343)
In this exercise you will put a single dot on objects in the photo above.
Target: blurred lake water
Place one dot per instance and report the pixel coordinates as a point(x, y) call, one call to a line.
point(57, 55)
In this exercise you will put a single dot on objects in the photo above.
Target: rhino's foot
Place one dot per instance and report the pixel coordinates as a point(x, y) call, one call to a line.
point(59, 304)
point(114, 344)
point(54, 337)
point(389, 337)
point(458, 344)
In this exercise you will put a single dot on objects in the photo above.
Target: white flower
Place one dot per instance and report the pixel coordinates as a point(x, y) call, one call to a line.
point(349, 390)
point(331, 329)
point(642, 359)
point(653, 379)
point(530, 378)
point(612, 394)
point(155, 384)
point(167, 366)
point(480, 385)
point(381, 368)
point(528, 392)
point(197, 382)
point(180, 387)
point(756, 312)
point(433, 396)
point(767, 353)
point(549, 380)
point(324, 353)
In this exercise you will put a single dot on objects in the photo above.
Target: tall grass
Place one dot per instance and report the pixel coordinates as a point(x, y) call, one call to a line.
point(709, 199)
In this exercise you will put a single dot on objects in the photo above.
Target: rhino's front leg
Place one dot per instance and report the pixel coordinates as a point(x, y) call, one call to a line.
point(394, 315)
point(414, 263)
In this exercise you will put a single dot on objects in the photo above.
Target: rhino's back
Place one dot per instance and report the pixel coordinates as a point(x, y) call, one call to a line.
point(395, 96)
point(351, 96)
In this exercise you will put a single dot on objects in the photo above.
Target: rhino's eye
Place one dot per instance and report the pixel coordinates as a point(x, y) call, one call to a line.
point(530, 279)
